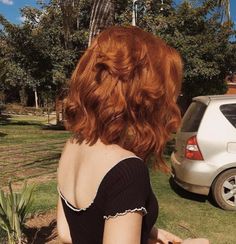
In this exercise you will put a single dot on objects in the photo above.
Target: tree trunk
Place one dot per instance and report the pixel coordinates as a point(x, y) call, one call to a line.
point(102, 16)
point(58, 110)
point(68, 11)
point(23, 96)
point(36, 98)
point(70, 14)
point(225, 5)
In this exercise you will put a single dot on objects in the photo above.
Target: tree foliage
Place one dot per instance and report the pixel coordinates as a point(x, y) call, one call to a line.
point(45, 47)
point(194, 28)
point(204, 45)
point(102, 16)
point(225, 10)
point(41, 52)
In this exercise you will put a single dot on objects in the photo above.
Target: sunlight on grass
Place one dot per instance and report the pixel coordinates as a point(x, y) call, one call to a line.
point(191, 215)
point(45, 197)
point(31, 151)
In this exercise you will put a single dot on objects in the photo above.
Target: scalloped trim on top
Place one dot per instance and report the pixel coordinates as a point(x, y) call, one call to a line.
point(127, 211)
point(70, 205)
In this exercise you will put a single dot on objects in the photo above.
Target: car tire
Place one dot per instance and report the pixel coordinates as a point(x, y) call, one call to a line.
point(224, 190)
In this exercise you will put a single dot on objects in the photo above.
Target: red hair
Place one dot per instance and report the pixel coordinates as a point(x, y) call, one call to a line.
point(124, 90)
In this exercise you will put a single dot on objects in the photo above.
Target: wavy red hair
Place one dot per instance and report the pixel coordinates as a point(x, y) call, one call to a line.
point(124, 90)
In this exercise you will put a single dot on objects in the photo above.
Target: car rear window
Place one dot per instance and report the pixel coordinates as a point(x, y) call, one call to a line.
point(229, 111)
point(193, 117)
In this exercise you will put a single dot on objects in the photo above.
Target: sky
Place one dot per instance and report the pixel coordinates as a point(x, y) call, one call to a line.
point(11, 9)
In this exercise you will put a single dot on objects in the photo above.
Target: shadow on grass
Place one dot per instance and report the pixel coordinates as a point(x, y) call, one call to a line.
point(4, 119)
point(26, 123)
point(44, 161)
point(2, 134)
point(170, 147)
point(41, 235)
point(192, 196)
point(7, 120)
point(53, 127)
point(185, 194)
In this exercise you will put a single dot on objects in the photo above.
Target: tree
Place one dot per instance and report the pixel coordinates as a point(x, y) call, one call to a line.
point(225, 5)
point(43, 47)
point(26, 58)
point(102, 16)
point(70, 11)
point(194, 28)
point(204, 45)
point(2, 80)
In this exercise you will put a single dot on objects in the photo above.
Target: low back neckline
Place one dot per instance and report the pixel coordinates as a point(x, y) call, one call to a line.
point(77, 209)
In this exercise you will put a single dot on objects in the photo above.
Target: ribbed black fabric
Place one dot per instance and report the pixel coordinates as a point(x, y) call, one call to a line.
point(126, 187)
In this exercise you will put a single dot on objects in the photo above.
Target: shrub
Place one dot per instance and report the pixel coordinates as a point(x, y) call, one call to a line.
point(14, 208)
point(14, 108)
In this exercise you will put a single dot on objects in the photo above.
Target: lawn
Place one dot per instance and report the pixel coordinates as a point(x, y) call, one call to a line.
point(30, 150)
point(191, 215)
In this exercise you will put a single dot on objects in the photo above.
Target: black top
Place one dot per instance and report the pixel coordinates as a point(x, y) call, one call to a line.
point(125, 188)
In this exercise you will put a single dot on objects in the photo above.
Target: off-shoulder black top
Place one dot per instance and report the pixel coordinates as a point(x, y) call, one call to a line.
point(125, 188)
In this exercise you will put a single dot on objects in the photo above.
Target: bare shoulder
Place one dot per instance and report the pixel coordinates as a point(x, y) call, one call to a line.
point(69, 155)
point(99, 154)
point(71, 142)
point(70, 147)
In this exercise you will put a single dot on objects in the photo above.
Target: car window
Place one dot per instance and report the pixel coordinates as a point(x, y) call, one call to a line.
point(229, 111)
point(193, 117)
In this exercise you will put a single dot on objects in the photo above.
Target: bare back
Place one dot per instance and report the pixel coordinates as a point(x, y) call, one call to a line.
point(82, 168)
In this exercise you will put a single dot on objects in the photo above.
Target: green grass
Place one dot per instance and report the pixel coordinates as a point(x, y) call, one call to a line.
point(30, 150)
point(191, 215)
point(45, 197)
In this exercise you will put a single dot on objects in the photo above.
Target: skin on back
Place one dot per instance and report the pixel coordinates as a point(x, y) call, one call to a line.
point(80, 172)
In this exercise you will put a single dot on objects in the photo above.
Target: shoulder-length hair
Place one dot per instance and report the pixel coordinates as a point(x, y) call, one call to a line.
point(124, 90)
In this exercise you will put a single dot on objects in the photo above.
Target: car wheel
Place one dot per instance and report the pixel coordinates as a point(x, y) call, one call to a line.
point(224, 190)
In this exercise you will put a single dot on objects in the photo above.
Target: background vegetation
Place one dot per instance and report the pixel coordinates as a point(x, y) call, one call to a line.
point(34, 156)
point(36, 61)
point(38, 56)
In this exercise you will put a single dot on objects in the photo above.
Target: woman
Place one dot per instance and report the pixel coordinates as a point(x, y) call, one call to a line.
point(121, 108)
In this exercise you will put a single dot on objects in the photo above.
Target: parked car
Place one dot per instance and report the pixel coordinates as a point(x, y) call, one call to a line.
point(205, 155)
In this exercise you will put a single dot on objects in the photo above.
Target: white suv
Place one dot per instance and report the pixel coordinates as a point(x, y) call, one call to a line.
point(205, 155)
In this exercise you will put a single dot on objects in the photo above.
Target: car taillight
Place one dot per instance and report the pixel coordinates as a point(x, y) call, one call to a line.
point(192, 150)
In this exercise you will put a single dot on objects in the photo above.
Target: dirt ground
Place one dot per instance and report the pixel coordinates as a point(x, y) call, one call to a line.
point(42, 229)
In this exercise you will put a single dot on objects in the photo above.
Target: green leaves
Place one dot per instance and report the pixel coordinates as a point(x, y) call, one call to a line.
point(196, 32)
point(42, 52)
point(14, 208)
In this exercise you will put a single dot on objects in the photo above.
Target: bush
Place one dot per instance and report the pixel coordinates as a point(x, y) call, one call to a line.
point(15, 108)
point(14, 208)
